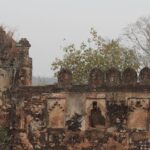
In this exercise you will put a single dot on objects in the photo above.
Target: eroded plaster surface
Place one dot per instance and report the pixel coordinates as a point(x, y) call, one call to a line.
point(111, 112)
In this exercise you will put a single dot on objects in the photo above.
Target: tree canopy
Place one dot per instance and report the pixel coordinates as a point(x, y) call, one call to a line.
point(137, 36)
point(95, 53)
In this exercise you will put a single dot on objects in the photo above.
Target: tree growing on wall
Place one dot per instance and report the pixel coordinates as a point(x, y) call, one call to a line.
point(7, 51)
point(7, 44)
point(4, 138)
point(96, 52)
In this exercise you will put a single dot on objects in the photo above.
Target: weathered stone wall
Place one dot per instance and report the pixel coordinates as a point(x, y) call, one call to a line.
point(15, 71)
point(111, 112)
point(97, 116)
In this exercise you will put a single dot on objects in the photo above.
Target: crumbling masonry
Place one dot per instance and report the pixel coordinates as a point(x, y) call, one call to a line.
point(111, 112)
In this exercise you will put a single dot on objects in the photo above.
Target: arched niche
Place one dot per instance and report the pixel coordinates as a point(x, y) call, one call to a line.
point(129, 76)
point(96, 77)
point(144, 76)
point(56, 113)
point(4, 79)
point(113, 77)
point(138, 113)
point(96, 113)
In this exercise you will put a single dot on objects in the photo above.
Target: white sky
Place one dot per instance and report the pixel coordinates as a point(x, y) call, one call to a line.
point(47, 22)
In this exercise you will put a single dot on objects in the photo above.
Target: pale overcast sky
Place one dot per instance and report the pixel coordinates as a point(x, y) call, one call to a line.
point(47, 22)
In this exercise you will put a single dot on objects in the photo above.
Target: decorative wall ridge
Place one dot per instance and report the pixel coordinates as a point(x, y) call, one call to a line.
point(110, 77)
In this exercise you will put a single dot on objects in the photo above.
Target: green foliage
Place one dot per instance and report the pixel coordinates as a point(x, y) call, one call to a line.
point(4, 137)
point(96, 52)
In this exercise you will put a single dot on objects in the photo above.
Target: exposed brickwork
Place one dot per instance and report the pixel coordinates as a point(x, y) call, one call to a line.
point(85, 117)
point(111, 112)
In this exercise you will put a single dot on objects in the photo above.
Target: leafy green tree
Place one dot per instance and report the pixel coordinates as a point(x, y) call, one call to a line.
point(96, 52)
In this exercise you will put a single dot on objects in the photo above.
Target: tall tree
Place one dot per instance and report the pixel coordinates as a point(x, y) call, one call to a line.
point(138, 37)
point(96, 52)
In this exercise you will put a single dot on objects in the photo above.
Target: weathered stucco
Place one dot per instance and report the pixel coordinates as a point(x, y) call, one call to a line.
point(111, 112)
point(62, 119)
point(84, 117)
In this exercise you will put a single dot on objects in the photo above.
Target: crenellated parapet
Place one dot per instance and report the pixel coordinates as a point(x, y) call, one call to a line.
point(111, 77)
point(64, 78)
point(96, 77)
point(144, 76)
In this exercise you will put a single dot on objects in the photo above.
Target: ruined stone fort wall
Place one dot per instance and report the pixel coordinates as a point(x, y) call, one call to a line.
point(110, 112)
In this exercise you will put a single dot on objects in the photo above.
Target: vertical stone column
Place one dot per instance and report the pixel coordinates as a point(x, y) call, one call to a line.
point(25, 63)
